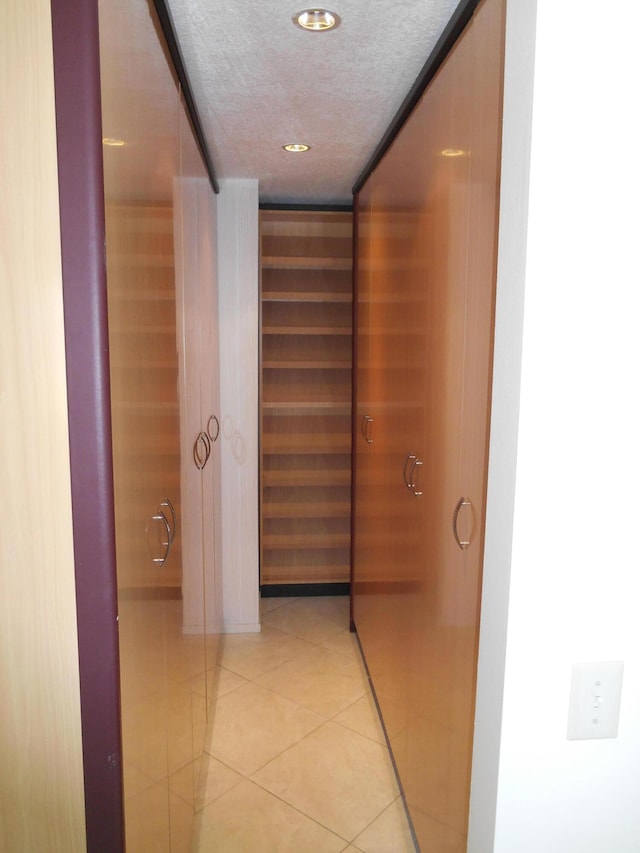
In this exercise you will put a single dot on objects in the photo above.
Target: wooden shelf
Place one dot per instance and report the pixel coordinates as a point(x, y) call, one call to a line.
point(305, 330)
point(303, 296)
point(328, 477)
point(324, 509)
point(327, 442)
point(304, 263)
point(280, 542)
point(306, 408)
point(306, 365)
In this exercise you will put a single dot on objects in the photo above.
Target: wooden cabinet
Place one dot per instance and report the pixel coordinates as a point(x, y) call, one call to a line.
point(306, 291)
point(160, 257)
point(427, 226)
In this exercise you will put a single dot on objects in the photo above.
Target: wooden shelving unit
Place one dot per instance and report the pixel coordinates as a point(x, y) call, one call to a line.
point(306, 396)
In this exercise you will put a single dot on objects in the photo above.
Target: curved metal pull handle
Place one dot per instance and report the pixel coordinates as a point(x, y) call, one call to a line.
point(411, 457)
point(462, 543)
point(217, 423)
point(201, 450)
point(416, 492)
point(160, 561)
point(368, 435)
point(172, 529)
point(364, 428)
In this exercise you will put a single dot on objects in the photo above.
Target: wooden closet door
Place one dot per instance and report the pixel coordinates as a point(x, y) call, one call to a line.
point(162, 668)
point(436, 190)
point(461, 133)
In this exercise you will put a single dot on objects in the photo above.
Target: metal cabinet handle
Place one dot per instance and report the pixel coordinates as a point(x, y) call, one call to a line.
point(172, 529)
point(201, 450)
point(367, 429)
point(217, 423)
point(463, 544)
point(411, 457)
point(160, 561)
point(416, 492)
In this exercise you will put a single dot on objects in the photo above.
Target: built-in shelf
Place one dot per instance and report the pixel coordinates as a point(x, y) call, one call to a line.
point(328, 477)
point(306, 263)
point(304, 296)
point(306, 396)
point(305, 330)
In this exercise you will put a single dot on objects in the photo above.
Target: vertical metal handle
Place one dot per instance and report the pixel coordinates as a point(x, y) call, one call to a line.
point(217, 423)
point(463, 544)
point(416, 492)
point(411, 457)
point(369, 430)
point(160, 561)
point(366, 428)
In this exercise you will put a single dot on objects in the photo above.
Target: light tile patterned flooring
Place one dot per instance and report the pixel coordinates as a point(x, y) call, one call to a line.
point(295, 758)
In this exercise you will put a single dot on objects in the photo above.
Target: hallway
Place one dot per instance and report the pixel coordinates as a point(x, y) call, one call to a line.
point(295, 756)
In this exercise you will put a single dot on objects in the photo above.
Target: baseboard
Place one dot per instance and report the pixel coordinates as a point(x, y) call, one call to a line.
point(299, 590)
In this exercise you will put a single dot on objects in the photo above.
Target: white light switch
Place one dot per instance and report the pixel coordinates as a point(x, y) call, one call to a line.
point(594, 707)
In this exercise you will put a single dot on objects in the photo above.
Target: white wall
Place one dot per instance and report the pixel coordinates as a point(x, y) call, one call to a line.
point(574, 569)
point(238, 304)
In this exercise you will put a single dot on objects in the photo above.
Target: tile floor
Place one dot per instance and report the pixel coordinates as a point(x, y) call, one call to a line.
point(295, 759)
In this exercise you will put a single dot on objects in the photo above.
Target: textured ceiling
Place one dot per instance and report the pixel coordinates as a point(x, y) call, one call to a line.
point(260, 82)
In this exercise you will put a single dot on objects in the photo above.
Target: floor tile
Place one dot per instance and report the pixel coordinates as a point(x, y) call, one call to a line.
point(217, 682)
point(203, 781)
point(312, 619)
point(251, 655)
point(336, 776)
point(248, 819)
point(322, 680)
point(252, 725)
point(267, 604)
point(388, 833)
point(362, 717)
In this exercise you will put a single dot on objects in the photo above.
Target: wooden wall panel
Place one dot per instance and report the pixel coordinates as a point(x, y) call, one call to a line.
point(41, 778)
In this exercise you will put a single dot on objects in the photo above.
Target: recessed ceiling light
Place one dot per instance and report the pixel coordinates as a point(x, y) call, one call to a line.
point(296, 147)
point(316, 20)
point(112, 142)
point(452, 152)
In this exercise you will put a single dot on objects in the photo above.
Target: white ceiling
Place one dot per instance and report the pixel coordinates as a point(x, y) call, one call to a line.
point(260, 82)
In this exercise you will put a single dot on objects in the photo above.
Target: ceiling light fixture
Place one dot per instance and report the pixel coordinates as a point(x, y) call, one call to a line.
point(112, 142)
point(296, 147)
point(316, 20)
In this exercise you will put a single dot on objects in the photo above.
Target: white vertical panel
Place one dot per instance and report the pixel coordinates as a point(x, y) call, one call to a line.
point(238, 301)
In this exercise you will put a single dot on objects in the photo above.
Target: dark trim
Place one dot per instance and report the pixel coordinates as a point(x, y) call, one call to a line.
point(450, 35)
point(329, 208)
point(168, 29)
point(299, 590)
point(79, 138)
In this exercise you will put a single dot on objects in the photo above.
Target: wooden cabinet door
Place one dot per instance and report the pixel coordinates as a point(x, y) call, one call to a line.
point(155, 260)
point(436, 191)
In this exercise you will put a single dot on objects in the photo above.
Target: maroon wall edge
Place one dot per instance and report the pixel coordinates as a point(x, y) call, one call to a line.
point(79, 136)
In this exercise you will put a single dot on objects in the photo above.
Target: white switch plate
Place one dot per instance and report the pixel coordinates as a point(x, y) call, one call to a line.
point(594, 706)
